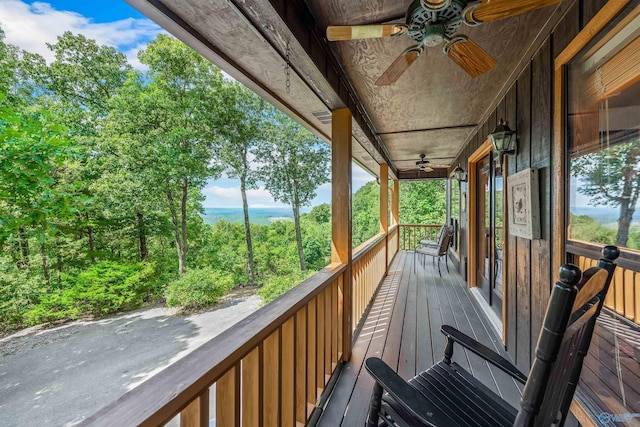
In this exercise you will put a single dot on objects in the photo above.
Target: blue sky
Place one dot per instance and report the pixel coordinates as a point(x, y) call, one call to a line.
point(32, 24)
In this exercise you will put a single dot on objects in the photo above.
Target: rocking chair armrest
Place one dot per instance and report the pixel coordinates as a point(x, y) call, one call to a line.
point(401, 391)
point(483, 351)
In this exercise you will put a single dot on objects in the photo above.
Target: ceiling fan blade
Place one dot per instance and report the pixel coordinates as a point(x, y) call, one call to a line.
point(492, 10)
point(399, 66)
point(470, 57)
point(352, 32)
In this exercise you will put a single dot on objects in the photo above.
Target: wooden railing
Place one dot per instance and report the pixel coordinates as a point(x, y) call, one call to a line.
point(270, 368)
point(410, 234)
point(369, 267)
point(624, 293)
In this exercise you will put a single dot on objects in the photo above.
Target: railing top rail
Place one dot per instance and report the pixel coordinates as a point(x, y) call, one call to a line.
point(628, 259)
point(365, 247)
point(420, 225)
point(160, 398)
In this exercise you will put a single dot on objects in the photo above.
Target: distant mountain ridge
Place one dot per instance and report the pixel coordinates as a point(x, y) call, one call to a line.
point(603, 215)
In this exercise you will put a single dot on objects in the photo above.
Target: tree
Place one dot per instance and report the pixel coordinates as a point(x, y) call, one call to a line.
point(611, 177)
point(32, 149)
point(423, 202)
point(296, 163)
point(77, 87)
point(241, 137)
point(170, 118)
point(366, 213)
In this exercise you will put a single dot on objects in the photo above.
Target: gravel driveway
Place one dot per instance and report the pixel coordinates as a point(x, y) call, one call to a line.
point(59, 376)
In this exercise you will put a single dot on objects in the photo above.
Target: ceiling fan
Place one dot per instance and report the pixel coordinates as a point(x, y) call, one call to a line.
point(423, 165)
point(430, 23)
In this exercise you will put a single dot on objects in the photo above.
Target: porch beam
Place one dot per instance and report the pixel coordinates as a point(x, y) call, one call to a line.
point(440, 173)
point(341, 251)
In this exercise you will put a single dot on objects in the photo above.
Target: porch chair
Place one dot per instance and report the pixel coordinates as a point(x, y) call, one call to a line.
point(447, 395)
point(424, 241)
point(439, 250)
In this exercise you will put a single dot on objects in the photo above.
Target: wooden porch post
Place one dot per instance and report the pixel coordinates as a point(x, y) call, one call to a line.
point(384, 198)
point(341, 214)
point(384, 212)
point(395, 203)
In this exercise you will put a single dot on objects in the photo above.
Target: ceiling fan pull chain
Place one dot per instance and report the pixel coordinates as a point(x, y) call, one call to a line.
point(287, 68)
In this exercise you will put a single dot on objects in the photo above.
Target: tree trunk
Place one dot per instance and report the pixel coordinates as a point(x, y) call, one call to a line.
point(24, 247)
point(183, 212)
point(247, 233)
point(296, 219)
point(176, 230)
point(629, 199)
point(45, 267)
point(92, 247)
point(16, 255)
point(142, 238)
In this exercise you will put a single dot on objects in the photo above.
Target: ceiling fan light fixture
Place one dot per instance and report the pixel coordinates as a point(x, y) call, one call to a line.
point(433, 35)
point(423, 165)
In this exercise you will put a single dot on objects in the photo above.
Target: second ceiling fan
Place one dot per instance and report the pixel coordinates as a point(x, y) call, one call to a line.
point(433, 22)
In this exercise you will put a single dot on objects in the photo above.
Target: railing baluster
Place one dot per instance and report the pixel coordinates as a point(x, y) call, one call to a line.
point(327, 334)
point(288, 374)
point(270, 380)
point(301, 366)
point(618, 285)
point(629, 295)
point(228, 398)
point(341, 325)
point(251, 379)
point(196, 414)
point(335, 325)
point(320, 332)
point(311, 356)
point(636, 291)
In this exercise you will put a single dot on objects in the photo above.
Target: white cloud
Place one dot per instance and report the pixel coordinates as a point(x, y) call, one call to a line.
point(359, 175)
point(231, 197)
point(32, 26)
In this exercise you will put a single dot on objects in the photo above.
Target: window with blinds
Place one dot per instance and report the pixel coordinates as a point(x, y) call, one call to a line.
point(604, 138)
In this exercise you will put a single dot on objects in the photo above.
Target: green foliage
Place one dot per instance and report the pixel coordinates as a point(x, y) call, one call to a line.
point(365, 213)
point(296, 163)
point(198, 288)
point(104, 288)
point(278, 285)
point(423, 202)
point(320, 214)
point(610, 177)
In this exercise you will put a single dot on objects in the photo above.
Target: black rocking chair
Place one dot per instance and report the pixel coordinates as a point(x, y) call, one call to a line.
point(446, 395)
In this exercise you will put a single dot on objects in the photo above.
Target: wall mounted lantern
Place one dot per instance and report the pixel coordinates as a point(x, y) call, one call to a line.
point(503, 140)
point(460, 174)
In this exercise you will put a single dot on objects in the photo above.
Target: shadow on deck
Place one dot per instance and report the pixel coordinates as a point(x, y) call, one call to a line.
point(403, 328)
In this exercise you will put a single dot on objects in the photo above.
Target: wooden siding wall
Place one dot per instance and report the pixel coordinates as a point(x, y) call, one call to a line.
point(528, 107)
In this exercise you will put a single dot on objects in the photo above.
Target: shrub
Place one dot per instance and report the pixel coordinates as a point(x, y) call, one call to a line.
point(103, 288)
point(198, 288)
point(278, 285)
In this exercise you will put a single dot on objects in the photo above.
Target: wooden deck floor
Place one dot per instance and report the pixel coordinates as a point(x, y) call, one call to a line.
point(403, 328)
point(610, 379)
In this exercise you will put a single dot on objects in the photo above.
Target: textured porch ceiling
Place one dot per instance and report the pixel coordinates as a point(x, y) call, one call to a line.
point(435, 105)
point(432, 109)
